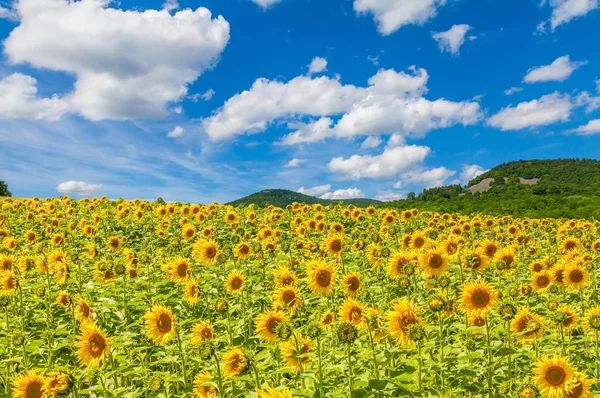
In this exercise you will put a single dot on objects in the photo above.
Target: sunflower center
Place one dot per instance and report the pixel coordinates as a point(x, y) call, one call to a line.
point(85, 309)
point(323, 278)
point(164, 323)
point(189, 233)
point(182, 269)
point(210, 252)
point(272, 324)
point(287, 280)
point(452, 248)
point(353, 284)
point(288, 297)
point(543, 281)
point(435, 261)
point(576, 391)
point(576, 276)
point(555, 375)
point(236, 283)
point(34, 390)
point(355, 314)
point(570, 245)
point(490, 250)
point(207, 334)
point(244, 249)
point(97, 345)
point(336, 245)
point(419, 242)
point(560, 275)
point(480, 298)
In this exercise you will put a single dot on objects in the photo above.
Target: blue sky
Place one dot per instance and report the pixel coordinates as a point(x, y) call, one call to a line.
point(203, 101)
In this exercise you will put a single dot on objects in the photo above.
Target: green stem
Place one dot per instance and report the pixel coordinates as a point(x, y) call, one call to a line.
point(489, 352)
point(350, 369)
point(183, 367)
point(420, 372)
point(219, 377)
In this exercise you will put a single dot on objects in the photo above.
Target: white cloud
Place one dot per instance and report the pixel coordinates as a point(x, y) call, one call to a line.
point(591, 128)
point(393, 161)
point(314, 191)
point(513, 90)
point(559, 70)
point(170, 5)
point(589, 101)
point(374, 60)
point(431, 178)
point(317, 65)
point(265, 3)
point(470, 171)
point(388, 196)
point(390, 15)
point(208, 94)
point(451, 40)
point(392, 103)
point(295, 162)
point(548, 109)
point(564, 11)
point(350, 193)
point(176, 132)
point(372, 141)
point(77, 188)
point(127, 64)
point(8, 13)
point(19, 100)
point(598, 86)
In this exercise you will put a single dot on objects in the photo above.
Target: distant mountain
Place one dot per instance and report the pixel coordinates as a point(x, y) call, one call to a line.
point(284, 197)
point(526, 188)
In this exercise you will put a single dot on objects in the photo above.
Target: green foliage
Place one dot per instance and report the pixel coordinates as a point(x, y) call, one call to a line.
point(566, 188)
point(284, 197)
point(4, 189)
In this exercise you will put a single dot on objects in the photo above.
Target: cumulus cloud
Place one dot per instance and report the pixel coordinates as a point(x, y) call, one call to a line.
point(589, 101)
point(77, 188)
point(8, 13)
point(19, 100)
point(395, 159)
point(314, 191)
point(451, 40)
point(470, 171)
point(563, 11)
point(548, 109)
point(388, 195)
point(372, 141)
point(559, 70)
point(430, 178)
point(591, 128)
point(350, 193)
point(127, 64)
point(265, 3)
point(317, 65)
point(392, 15)
point(170, 5)
point(176, 132)
point(295, 162)
point(392, 103)
point(513, 90)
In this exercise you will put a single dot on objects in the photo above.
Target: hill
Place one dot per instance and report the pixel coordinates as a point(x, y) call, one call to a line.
point(284, 197)
point(526, 188)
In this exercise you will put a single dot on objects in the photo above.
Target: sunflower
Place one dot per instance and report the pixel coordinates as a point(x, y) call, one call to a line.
point(403, 315)
point(527, 325)
point(63, 299)
point(475, 260)
point(83, 311)
point(30, 237)
point(235, 362)
point(570, 245)
point(188, 231)
point(489, 248)
point(566, 316)
point(541, 281)
point(205, 251)
point(160, 325)
point(434, 261)
point(575, 276)
point(581, 386)
point(191, 292)
point(397, 262)
point(592, 320)
point(243, 250)
point(231, 217)
point(202, 332)
point(270, 392)
point(177, 269)
point(352, 311)
point(235, 283)
point(507, 258)
point(292, 356)
point(266, 324)
point(8, 283)
point(451, 246)
point(320, 277)
point(327, 319)
point(114, 244)
point(287, 297)
point(554, 376)
point(201, 390)
point(6, 263)
point(418, 240)
point(283, 276)
point(334, 244)
point(478, 297)
point(93, 345)
point(352, 284)
point(558, 274)
point(29, 385)
point(56, 383)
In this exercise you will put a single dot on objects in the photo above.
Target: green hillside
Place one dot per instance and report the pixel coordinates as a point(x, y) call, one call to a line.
point(566, 188)
point(284, 197)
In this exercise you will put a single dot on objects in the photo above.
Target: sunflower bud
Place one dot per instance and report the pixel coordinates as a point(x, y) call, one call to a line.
point(416, 332)
point(206, 350)
point(314, 329)
point(283, 330)
point(347, 332)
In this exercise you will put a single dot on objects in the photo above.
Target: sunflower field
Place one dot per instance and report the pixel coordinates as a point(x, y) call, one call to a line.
point(103, 298)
